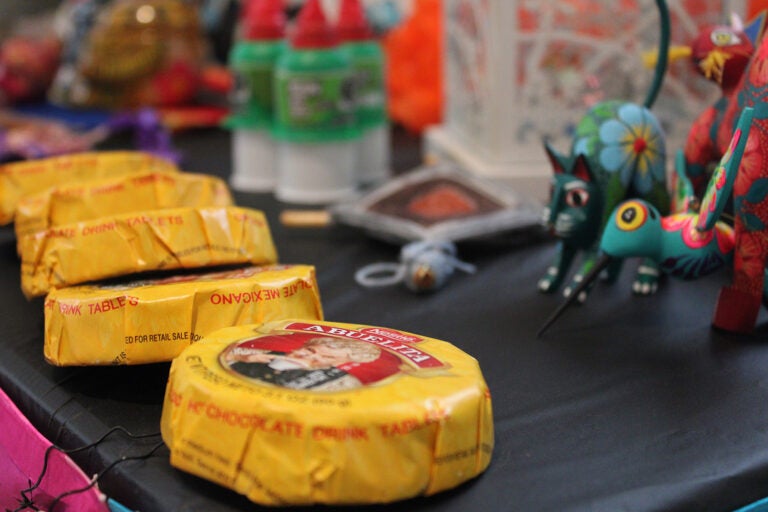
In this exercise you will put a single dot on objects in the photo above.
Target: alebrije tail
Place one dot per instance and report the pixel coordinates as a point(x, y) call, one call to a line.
point(663, 57)
point(683, 194)
point(723, 178)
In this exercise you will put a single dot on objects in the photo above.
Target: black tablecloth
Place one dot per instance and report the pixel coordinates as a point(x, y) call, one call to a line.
point(627, 403)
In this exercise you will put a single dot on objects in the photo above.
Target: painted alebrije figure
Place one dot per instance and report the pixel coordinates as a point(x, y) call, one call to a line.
point(720, 53)
point(618, 152)
point(686, 245)
point(738, 304)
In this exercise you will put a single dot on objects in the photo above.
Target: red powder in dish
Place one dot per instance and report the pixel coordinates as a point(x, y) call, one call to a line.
point(442, 201)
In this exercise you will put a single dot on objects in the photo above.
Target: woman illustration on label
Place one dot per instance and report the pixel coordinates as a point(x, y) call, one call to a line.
point(314, 362)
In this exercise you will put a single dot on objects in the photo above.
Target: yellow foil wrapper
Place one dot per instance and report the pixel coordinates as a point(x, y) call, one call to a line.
point(152, 240)
point(153, 321)
point(74, 202)
point(20, 179)
point(301, 412)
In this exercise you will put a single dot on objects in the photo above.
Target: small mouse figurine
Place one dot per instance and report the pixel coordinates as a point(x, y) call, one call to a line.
point(424, 266)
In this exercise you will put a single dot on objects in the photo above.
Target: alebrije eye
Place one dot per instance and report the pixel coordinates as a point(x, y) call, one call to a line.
point(724, 38)
point(631, 215)
point(577, 197)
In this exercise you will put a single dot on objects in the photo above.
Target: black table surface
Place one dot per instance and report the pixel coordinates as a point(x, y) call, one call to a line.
point(626, 403)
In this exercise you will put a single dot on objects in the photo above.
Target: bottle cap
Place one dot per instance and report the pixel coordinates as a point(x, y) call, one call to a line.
point(264, 20)
point(312, 29)
point(352, 25)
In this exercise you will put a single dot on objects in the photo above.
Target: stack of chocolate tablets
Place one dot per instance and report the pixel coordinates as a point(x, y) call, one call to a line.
point(84, 220)
point(273, 403)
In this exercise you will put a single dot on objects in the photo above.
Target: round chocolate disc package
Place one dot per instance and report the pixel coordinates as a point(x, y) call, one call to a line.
point(303, 411)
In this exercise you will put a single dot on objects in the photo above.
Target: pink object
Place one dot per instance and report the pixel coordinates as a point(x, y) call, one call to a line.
point(312, 29)
point(22, 452)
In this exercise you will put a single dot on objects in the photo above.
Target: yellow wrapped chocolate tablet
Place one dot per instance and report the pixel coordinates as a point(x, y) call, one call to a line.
point(74, 202)
point(19, 179)
point(152, 321)
point(137, 242)
point(302, 412)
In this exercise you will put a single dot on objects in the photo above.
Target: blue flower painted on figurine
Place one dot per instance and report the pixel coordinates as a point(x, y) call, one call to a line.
point(633, 147)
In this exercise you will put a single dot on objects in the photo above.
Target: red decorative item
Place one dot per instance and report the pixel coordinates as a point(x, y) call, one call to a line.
point(264, 20)
point(353, 26)
point(312, 29)
point(739, 303)
point(27, 67)
point(721, 54)
point(735, 310)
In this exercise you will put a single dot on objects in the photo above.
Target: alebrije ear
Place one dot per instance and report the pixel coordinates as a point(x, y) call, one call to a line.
point(557, 160)
point(581, 169)
point(754, 28)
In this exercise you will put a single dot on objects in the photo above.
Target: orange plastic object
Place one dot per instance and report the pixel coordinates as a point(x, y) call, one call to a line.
point(414, 67)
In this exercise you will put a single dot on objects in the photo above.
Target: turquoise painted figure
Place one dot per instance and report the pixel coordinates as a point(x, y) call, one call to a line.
point(681, 250)
point(686, 244)
point(618, 152)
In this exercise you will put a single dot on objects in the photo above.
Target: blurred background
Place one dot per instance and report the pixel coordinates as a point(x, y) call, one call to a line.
point(483, 81)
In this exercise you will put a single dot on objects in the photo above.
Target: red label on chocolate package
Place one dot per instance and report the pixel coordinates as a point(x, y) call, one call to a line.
point(389, 339)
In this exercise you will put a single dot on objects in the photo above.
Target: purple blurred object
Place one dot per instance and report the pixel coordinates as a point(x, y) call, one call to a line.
point(149, 134)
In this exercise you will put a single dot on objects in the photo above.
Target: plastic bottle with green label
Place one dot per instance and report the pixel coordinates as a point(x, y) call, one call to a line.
point(315, 122)
point(367, 59)
point(252, 61)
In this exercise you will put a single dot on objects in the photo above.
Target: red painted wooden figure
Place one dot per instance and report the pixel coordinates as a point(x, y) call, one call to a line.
point(739, 303)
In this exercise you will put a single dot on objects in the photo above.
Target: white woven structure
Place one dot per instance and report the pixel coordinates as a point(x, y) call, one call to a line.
point(518, 71)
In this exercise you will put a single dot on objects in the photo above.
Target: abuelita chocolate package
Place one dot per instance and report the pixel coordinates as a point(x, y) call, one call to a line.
point(165, 239)
point(78, 201)
point(20, 179)
point(152, 321)
point(302, 412)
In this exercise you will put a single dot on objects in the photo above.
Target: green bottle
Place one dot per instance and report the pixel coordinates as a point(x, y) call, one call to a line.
point(315, 122)
point(252, 61)
point(367, 58)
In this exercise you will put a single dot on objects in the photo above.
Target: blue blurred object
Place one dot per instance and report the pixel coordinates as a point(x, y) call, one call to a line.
point(79, 119)
point(758, 506)
point(383, 16)
point(114, 506)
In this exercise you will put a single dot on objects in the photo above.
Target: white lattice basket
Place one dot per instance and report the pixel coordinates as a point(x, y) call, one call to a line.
point(520, 70)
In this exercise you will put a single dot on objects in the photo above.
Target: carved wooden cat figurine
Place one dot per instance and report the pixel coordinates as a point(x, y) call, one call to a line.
point(618, 152)
point(688, 244)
